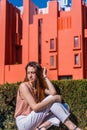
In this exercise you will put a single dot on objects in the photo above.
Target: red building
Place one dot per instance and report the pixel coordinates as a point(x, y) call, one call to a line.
point(55, 38)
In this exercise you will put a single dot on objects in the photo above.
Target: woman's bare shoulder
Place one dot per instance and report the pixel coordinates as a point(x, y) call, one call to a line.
point(23, 85)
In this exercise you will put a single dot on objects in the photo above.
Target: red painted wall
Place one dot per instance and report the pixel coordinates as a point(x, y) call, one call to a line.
point(28, 37)
point(10, 39)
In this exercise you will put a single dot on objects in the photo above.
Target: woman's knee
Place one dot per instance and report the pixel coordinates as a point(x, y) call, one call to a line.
point(57, 105)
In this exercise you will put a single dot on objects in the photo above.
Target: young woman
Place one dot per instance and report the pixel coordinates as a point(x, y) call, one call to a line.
point(32, 109)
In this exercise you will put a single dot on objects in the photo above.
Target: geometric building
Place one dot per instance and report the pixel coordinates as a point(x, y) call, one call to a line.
point(54, 37)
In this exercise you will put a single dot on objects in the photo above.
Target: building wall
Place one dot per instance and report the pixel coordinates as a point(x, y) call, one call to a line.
point(65, 52)
point(84, 17)
point(48, 36)
point(10, 39)
point(70, 26)
point(43, 29)
point(2, 38)
point(77, 29)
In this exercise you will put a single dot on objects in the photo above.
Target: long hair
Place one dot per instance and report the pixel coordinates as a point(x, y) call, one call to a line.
point(40, 82)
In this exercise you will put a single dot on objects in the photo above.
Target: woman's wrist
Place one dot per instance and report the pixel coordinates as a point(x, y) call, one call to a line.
point(45, 77)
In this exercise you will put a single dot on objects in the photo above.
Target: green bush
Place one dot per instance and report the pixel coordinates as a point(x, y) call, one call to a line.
point(74, 93)
point(7, 106)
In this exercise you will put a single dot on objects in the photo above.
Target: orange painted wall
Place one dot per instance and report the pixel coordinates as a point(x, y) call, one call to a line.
point(27, 37)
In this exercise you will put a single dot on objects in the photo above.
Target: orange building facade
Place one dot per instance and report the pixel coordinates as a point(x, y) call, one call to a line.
point(55, 38)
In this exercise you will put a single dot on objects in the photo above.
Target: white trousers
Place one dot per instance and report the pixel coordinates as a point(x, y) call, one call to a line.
point(56, 113)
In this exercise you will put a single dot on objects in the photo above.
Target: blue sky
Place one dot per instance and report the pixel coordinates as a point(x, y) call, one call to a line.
point(39, 3)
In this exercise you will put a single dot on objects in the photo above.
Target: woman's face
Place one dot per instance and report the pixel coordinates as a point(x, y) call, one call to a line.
point(31, 74)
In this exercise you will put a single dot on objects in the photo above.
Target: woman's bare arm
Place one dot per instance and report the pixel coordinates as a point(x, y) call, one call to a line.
point(51, 90)
point(36, 106)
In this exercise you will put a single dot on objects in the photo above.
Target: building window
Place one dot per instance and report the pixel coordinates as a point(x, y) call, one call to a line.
point(51, 43)
point(65, 2)
point(40, 22)
point(65, 77)
point(52, 61)
point(77, 60)
point(76, 41)
point(36, 11)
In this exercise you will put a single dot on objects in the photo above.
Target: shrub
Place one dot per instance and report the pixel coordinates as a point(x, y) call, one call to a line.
point(7, 106)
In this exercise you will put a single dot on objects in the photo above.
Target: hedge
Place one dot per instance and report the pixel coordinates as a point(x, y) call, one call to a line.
point(74, 92)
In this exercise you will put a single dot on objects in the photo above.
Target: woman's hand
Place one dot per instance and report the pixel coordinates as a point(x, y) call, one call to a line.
point(44, 72)
point(57, 98)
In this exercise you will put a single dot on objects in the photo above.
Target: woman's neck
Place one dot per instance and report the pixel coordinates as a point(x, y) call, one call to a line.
point(31, 84)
